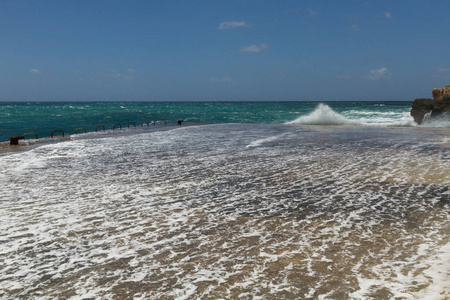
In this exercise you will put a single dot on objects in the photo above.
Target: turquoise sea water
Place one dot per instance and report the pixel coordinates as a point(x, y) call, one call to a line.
point(43, 117)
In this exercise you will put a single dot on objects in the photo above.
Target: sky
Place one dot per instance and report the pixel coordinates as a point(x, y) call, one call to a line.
point(231, 50)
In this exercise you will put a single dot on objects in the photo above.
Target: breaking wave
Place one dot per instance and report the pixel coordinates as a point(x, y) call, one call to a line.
point(324, 115)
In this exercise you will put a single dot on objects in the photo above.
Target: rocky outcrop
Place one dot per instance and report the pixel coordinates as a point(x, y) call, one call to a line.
point(428, 109)
point(438, 94)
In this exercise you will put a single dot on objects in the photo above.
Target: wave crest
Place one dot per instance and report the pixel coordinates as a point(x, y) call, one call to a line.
point(324, 115)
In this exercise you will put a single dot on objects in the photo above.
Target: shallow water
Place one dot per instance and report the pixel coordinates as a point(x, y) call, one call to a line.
point(229, 211)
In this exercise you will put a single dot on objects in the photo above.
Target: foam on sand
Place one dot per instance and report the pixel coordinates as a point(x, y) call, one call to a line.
point(229, 211)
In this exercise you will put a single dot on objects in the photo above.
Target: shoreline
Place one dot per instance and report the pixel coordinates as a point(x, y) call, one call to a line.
point(28, 144)
point(31, 143)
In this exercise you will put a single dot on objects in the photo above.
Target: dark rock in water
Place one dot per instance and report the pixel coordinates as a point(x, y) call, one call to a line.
point(15, 140)
point(428, 109)
point(421, 107)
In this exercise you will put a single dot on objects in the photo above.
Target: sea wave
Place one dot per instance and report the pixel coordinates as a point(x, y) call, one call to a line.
point(325, 115)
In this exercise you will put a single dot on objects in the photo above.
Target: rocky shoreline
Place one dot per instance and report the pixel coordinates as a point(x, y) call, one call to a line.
point(424, 109)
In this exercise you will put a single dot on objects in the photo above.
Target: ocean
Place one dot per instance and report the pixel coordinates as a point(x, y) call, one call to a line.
point(253, 200)
point(44, 117)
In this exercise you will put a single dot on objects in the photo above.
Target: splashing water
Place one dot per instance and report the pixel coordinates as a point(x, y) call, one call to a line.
point(324, 115)
point(372, 115)
point(440, 121)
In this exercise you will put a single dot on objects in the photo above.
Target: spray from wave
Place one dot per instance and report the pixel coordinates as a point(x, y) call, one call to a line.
point(324, 115)
point(441, 121)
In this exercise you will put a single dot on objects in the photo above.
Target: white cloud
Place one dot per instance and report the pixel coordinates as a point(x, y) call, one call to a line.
point(75, 71)
point(379, 74)
point(112, 73)
point(387, 15)
point(221, 79)
point(443, 73)
point(232, 25)
point(253, 48)
point(35, 71)
point(311, 12)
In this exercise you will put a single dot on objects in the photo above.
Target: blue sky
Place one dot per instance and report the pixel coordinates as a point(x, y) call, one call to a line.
point(243, 50)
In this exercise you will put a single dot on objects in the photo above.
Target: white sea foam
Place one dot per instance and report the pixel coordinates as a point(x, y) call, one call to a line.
point(260, 142)
point(442, 121)
point(323, 115)
point(197, 213)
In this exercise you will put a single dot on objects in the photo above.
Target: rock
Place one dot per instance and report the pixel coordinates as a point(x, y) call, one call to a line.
point(446, 91)
point(438, 94)
point(434, 108)
point(420, 107)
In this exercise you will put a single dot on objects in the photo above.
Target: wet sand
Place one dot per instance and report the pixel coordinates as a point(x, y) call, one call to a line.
point(229, 211)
